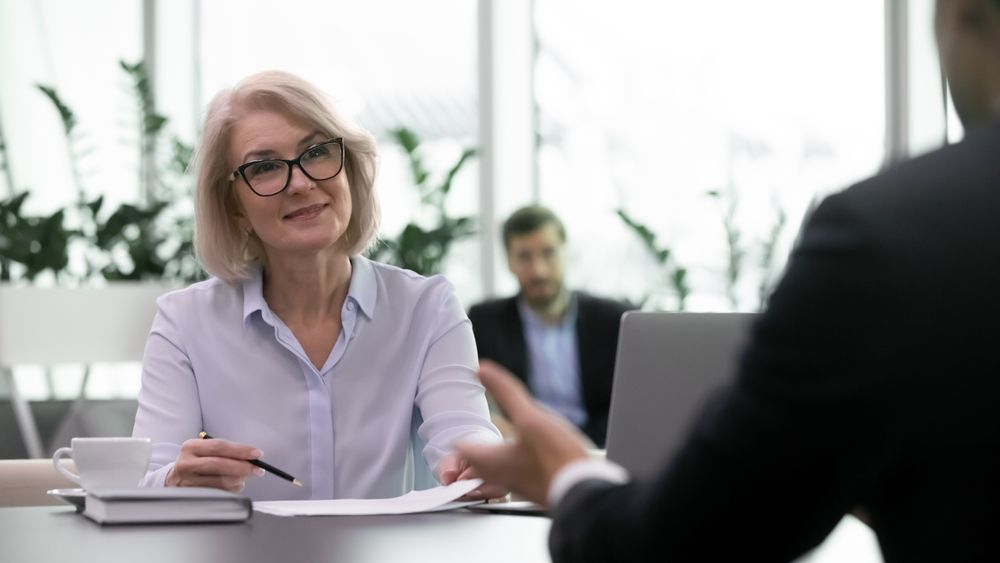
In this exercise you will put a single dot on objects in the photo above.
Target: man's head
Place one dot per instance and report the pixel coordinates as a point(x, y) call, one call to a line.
point(534, 238)
point(968, 36)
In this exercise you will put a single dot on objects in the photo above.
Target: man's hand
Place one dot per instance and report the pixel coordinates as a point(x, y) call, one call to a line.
point(504, 426)
point(545, 443)
point(213, 463)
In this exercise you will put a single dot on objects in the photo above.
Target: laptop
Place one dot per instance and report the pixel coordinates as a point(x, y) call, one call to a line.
point(667, 366)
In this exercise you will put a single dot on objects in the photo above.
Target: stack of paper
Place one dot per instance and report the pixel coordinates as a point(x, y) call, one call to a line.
point(430, 500)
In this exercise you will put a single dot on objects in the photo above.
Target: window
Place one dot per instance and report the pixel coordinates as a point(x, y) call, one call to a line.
point(59, 43)
point(641, 106)
point(651, 105)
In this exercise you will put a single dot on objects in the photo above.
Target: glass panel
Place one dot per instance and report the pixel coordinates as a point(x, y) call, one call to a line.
point(652, 105)
point(63, 44)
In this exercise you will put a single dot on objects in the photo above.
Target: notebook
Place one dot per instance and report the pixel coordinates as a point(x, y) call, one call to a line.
point(667, 366)
point(164, 505)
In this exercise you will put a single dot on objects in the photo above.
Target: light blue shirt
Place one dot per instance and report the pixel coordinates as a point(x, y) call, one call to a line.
point(398, 390)
point(554, 362)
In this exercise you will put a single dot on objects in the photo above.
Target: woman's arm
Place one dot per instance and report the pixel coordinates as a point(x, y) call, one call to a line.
point(168, 411)
point(451, 400)
point(170, 414)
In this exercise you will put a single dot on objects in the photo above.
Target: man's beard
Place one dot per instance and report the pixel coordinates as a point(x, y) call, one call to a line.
point(544, 300)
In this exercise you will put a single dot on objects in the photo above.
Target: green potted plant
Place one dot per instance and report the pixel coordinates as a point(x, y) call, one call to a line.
point(134, 241)
point(109, 264)
point(423, 245)
point(675, 274)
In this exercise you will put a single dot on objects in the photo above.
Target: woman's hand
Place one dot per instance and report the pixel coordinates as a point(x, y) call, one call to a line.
point(213, 463)
point(545, 444)
point(453, 467)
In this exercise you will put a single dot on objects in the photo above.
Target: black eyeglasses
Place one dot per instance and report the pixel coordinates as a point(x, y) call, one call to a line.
point(271, 176)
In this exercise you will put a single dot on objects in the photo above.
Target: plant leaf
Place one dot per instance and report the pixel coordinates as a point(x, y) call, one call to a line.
point(450, 176)
point(65, 113)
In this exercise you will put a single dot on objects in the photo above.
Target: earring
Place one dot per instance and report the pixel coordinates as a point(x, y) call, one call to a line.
point(246, 239)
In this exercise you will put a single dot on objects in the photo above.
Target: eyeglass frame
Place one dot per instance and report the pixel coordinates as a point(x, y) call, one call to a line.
point(297, 161)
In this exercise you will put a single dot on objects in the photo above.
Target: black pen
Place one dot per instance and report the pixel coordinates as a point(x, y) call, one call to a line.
point(265, 466)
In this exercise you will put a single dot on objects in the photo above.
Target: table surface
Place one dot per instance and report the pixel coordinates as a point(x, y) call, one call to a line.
point(42, 534)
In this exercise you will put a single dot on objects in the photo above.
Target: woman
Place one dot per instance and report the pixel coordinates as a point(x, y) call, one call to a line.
point(353, 376)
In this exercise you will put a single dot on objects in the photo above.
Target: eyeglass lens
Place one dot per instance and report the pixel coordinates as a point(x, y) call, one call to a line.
point(322, 162)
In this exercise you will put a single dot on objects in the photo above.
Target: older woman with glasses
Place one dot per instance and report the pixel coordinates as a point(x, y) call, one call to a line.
point(355, 377)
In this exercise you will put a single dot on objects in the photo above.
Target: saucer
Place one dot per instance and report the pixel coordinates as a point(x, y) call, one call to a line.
point(76, 497)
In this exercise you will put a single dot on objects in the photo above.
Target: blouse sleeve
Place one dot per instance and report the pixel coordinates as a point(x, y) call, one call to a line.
point(450, 398)
point(169, 411)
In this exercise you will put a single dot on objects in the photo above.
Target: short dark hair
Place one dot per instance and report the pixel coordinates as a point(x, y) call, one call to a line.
point(528, 220)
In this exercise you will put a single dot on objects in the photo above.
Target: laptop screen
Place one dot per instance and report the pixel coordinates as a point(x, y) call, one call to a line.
point(667, 366)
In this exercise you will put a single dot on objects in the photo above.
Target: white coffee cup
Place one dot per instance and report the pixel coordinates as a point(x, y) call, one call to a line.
point(105, 463)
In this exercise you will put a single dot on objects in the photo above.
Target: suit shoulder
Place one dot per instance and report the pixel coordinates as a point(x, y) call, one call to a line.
point(492, 307)
point(597, 304)
point(957, 174)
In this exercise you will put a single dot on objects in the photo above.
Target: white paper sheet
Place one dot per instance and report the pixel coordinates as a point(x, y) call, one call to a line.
point(430, 500)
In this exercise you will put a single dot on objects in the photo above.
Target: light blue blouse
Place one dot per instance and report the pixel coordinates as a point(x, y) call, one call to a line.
point(398, 390)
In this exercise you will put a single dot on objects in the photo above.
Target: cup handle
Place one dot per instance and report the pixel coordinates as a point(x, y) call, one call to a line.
point(60, 453)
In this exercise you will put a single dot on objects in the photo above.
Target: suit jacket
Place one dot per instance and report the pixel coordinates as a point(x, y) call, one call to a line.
point(500, 337)
point(870, 381)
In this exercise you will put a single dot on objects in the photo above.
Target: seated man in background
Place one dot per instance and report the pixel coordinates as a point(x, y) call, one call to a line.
point(561, 342)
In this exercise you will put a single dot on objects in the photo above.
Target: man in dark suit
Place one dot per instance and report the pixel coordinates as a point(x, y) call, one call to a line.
point(561, 342)
point(870, 382)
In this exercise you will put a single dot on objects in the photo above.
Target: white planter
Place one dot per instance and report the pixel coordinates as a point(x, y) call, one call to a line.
point(48, 325)
point(40, 325)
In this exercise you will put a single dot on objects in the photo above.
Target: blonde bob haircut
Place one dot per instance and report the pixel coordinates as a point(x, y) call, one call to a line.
point(223, 247)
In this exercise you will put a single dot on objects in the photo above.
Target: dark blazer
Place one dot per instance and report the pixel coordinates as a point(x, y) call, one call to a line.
point(500, 337)
point(871, 381)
